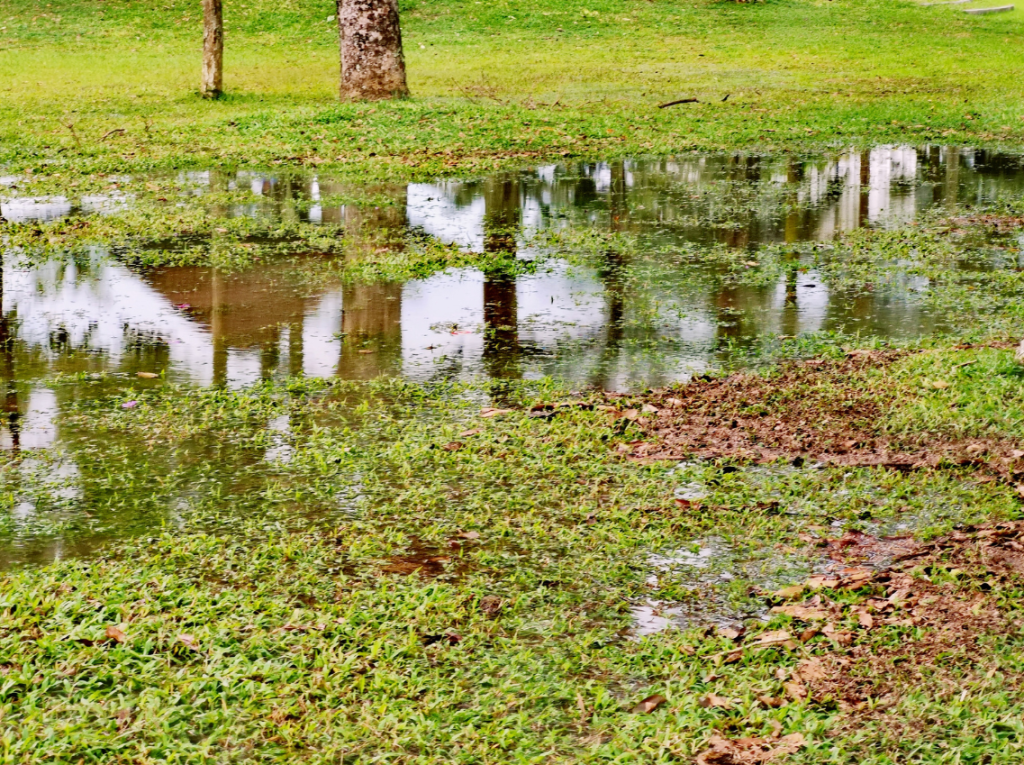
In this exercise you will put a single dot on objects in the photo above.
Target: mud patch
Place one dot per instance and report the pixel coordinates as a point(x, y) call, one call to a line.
point(831, 412)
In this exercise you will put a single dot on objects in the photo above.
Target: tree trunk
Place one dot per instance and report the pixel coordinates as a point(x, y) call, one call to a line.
point(372, 62)
point(213, 48)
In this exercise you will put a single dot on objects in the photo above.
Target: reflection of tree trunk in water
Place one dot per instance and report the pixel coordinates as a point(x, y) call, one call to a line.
point(610, 275)
point(865, 187)
point(270, 353)
point(371, 317)
point(218, 186)
point(951, 181)
point(295, 349)
point(790, 324)
point(502, 217)
point(220, 341)
point(11, 410)
point(371, 322)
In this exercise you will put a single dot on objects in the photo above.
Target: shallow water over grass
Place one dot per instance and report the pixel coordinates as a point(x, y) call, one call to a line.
point(700, 262)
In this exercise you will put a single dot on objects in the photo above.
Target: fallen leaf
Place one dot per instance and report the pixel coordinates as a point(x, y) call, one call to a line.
point(116, 634)
point(777, 636)
point(773, 702)
point(469, 534)
point(795, 690)
point(492, 412)
point(938, 384)
point(811, 669)
point(468, 433)
point(823, 582)
point(748, 751)
point(865, 619)
point(751, 264)
point(711, 701)
point(791, 592)
point(453, 446)
point(803, 613)
point(730, 633)
point(490, 605)
point(631, 414)
point(649, 409)
point(649, 704)
point(674, 402)
point(148, 375)
point(188, 641)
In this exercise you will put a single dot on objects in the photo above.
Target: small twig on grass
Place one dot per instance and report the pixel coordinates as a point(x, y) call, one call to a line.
point(680, 101)
point(115, 131)
point(71, 127)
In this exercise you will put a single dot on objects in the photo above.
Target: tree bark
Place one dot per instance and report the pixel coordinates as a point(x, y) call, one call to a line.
point(372, 61)
point(213, 48)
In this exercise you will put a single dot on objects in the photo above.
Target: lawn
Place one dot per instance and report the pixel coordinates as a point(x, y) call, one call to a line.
point(500, 83)
point(812, 556)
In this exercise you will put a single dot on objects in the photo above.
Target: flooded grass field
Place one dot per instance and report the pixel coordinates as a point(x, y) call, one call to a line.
point(385, 436)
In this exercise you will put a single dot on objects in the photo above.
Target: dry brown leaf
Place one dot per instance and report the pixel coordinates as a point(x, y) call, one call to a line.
point(116, 634)
point(803, 613)
point(811, 669)
point(453, 446)
point(795, 591)
point(714, 701)
point(492, 412)
point(795, 690)
point(468, 433)
point(188, 641)
point(777, 636)
point(147, 375)
point(649, 704)
point(865, 619)
point(730, 633)
point(749, 751)
point(823, 582)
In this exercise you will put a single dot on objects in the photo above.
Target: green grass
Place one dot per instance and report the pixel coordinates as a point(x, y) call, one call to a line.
point(499, 83)
point(305, 639)
point(304, 645)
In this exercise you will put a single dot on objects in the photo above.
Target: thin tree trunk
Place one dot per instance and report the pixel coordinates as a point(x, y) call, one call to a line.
point(213, 48)
point(372, 61)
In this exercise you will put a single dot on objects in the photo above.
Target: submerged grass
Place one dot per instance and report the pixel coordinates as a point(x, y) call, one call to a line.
point(452, 610)
point(390, 572)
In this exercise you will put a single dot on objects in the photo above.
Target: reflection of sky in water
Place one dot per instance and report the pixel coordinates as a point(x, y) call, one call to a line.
point(200, 327)
point(203, 328)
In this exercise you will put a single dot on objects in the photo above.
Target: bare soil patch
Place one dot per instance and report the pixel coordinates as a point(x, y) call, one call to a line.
point(821, 410)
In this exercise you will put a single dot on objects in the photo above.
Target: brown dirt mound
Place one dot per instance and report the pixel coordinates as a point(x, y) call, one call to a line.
point(817, 410)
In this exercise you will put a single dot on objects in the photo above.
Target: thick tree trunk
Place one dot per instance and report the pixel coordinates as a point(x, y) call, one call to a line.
point(213, 48)
point(372, 62)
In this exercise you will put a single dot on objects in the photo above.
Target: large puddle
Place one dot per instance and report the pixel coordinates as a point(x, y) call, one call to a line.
point(198, 326)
